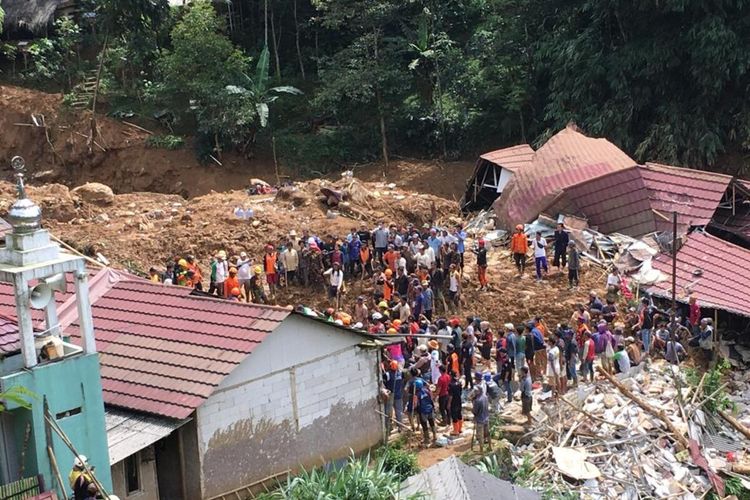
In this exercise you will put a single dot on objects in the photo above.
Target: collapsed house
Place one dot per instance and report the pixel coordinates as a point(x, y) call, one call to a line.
point(492, 173)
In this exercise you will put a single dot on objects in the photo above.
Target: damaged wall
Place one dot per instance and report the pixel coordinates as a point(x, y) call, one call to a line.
point(315, 403)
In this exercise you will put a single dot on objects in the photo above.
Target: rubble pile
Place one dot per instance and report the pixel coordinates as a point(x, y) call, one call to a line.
point(647, 435)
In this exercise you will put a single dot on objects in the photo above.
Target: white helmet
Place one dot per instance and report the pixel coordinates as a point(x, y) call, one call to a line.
point(79, 461)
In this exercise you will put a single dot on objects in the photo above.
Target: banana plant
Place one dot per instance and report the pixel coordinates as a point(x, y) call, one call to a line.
point(257, 89)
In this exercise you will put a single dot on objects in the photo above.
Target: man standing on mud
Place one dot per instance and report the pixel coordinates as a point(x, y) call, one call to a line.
point(519, 246)
point(562, 238)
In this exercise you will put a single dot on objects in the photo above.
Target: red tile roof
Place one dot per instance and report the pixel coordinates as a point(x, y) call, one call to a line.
point(10, 341)
point(162, 350)
point(724, 278)
point(613, 203)
point(512, 158)
point(693, 194)
point(640, 199)
point(566, 159)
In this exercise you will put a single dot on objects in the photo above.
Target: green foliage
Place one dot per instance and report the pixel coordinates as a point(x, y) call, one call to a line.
point(525, 471)
point(354, 479)
point(165, 141)
point(18, 395)
point(55, 59)
point(713, 382)
point(734, 487)
point(401, 462)
point(330, 149)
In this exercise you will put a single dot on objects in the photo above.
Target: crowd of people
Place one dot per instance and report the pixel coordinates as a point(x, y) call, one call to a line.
point(436, 360)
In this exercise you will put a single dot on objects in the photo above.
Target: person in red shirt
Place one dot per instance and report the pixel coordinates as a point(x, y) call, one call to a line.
point(588, 356)
point(443, 382)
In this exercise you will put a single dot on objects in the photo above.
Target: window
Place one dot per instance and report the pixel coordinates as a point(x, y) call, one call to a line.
point(133, 473)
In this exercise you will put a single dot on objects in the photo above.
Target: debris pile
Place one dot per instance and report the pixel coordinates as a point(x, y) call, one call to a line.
point(647, 435)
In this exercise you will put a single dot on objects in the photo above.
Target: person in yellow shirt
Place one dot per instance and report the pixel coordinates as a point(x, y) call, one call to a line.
point(153, 275)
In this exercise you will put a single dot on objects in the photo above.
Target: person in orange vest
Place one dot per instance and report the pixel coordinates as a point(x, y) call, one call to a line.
point(269, 265)
point(197, 276)
point(519, 246)
point(231, 282)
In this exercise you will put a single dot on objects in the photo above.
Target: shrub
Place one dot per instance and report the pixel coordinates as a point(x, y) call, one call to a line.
point(165, 141)
point(401, 462)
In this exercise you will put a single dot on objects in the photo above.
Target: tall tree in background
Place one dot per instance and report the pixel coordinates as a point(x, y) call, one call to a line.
point(367, 72)
point(666, 80)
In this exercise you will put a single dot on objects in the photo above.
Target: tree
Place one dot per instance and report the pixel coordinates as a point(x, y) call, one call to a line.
point(196, 72)
point(367, 71)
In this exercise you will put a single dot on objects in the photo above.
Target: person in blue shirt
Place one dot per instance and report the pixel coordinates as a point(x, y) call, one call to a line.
point(428, 300)
point(426, 408)
point(394, 382)
point(434, 241)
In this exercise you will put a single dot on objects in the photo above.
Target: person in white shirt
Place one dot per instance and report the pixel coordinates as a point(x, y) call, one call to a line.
point(613, 281)
point(425, 258)
point(540, 255)
point(290, 261)
point(243, 274)
point(222, 271)
point(454, 287)
point(336, 279)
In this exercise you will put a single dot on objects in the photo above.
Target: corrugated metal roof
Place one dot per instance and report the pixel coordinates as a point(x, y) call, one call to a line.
point(693, 194)
point(724, 278)
point(512, 158)
point(566, 159)
point(451, 479)
point(129, 432)
point(617, 202)
point(162, 350)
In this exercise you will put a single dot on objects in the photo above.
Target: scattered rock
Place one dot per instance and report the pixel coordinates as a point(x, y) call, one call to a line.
point(102, 218)
point(187, 218)
point(95, 193)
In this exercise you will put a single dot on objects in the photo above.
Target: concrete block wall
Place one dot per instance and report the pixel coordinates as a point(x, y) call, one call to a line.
point(319, 409)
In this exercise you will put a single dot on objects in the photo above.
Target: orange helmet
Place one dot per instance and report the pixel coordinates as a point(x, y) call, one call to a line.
point(519, 227)
point(388, 273)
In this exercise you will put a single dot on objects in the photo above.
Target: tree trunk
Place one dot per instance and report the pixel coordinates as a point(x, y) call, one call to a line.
point(296, 40)
point(275, 46)
point(96, 93)
point(440, 109)
point(381, 115)
point(265, 23)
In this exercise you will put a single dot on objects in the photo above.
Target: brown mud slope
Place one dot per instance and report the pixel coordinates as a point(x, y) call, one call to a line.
point(59, 152)
point(139, 230)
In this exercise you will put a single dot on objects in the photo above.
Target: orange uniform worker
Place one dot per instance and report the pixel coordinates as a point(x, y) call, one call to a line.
point(231, 282)
point(519, 246)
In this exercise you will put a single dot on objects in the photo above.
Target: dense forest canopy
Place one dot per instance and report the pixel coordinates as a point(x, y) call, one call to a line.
point(339, 81)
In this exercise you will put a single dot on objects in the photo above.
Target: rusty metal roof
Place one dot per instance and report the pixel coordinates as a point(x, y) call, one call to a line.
point(693, 194)
point(640, 199)
point(512, 158)
point(617, 202)
point(566, 159)
point(717, 271)
point(162, 350)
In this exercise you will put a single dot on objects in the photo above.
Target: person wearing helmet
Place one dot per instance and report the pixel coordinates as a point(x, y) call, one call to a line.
point(222, 271)
point(387, 284)
point(244, 272)
point(269, 265)
point(481, 252)
point(257, 292)
point(394, 404)
point(79, 478)
point(181, 272)
point(425, 407)
point(197, 277)
point(519, 247)
point(231, 283)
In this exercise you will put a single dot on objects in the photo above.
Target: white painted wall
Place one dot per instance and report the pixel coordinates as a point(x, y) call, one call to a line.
point(505, 176)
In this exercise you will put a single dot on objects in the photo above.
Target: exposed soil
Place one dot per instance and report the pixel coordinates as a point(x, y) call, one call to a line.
point(60, 151)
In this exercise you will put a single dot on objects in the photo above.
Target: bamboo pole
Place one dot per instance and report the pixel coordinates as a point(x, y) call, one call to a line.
point(735, 423)
point(646, 406)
